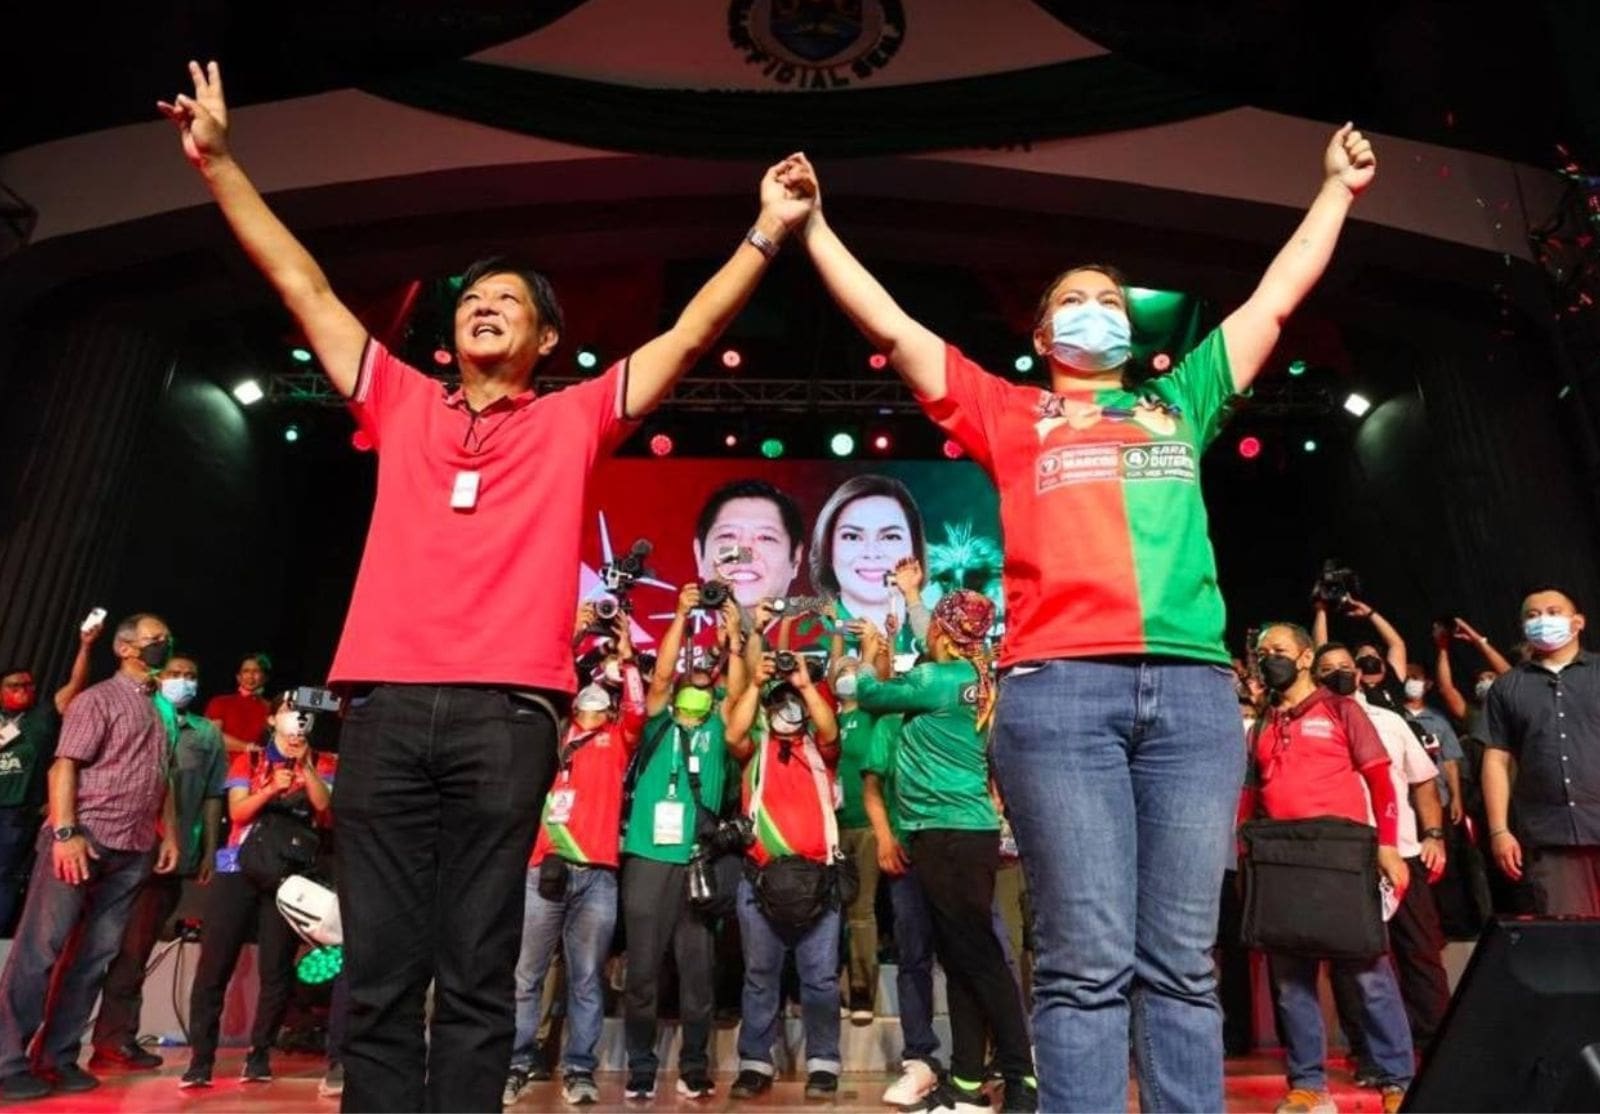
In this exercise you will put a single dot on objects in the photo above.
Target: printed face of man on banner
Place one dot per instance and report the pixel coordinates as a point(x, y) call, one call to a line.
point(749, 534)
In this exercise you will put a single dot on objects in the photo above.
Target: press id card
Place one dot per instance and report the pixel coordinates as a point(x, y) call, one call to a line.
point(668, 831)
point(561, 802)
point(9, 733)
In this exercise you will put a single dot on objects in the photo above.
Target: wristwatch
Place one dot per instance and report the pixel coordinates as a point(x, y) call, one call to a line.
point(1433, 833)
point(64, 834)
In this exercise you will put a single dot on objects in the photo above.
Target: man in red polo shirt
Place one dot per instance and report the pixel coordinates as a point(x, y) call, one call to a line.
point(455, 651)
point(1309, 757)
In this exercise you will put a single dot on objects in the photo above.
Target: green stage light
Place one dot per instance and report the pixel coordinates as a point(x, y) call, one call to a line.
point(1023, 363)
point(1297, 368)
point(1310, 446)
point(291, 433)
point(301, 355)
point(320, 965)
point(772, 448)
point(842, 444)
point(588, 358)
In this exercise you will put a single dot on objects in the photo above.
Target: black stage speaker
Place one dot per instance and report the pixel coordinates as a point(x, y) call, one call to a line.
point(1523, 1031)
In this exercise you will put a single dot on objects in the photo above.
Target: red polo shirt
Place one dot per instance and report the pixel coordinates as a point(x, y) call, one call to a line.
point(1312, 759)
point(482, 594)
point(582, 816)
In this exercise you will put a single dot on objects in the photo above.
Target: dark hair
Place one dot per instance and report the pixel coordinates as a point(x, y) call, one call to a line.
point(1568, 596)
point(1302, 637)
point(15, 669)
point(180, 655)
point(263, 662)
point(1135, 371)
point(1324, 650)
point(788, 509)
point(859, 487)
point(539, 288)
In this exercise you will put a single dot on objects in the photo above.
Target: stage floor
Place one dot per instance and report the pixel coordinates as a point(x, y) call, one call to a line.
point(1255, 1083)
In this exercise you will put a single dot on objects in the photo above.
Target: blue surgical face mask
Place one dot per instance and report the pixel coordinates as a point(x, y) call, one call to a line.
point(1548, 633)
point(179, 691)
point(1090, 337)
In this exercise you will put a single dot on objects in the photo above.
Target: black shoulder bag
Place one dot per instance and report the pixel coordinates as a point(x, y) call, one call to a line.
point(281, 842)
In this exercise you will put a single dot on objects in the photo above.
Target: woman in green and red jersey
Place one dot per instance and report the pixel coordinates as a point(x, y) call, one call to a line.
point(1116, 740)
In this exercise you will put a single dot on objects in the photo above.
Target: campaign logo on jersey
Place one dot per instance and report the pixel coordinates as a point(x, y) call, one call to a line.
point(969, 695)
point(817, 44)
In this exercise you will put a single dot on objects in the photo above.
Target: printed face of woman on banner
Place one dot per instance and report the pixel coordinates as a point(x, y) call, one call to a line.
point(868, 526)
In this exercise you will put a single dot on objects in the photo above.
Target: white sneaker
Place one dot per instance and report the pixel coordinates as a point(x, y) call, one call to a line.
point(916, 1083)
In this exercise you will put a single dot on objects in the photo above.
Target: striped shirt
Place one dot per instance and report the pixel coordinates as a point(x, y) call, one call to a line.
point(113, 732)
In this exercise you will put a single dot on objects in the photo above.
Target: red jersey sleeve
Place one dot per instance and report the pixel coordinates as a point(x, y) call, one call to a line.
point(239, 771)
point(381, 382)
point(971, 402)
point(630, 721)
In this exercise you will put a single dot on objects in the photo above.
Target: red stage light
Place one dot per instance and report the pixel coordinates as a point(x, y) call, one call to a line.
point(731, 441)
point(1160, 361)
point(442, 357)
point(661, 445)
point(1249, 447)
point(360, 442)
point(731, 359)
point(877, 361)
point(881, 442)
point(953, 451)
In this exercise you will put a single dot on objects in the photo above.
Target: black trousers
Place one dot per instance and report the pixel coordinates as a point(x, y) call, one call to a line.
point(437, 808)
point(656, 913)
point(1234, 990)
point(122, 996)
point(956, 871)
point(1416, 945)
point(236, 907)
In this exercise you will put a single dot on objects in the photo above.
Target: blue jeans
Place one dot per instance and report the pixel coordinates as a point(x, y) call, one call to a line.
point(1384, 1028)
point(816, 957)
point(582, 921)
point(52, 912)
point(1121, 779)
point(913, 980)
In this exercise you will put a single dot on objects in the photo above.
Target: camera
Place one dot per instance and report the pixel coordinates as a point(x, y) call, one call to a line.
point(785, 662)
point(607, 608)
point(778, 607)
point(1336, 584)
point(308, 699)
point(714, 594)
point(621, 574)
point(730, 837)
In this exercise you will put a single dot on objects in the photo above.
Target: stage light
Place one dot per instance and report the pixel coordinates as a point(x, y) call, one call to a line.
point(442, 356)
point(842, 444)
point(588, 359)
point(731, 441)
point(1310, 446)
point(772, 448)
point(731, 359)
point(952, 450)
point(877, 361)
point(661, 445)
point(291, 433)
point(320, 965)
point(301, 355)
point(1297, 368)
point(1356, 405)
point(1023, 363)
point(1249, 447)
point(249, 392)
point(361, 441)
point(1160, 362)
point(881, 442)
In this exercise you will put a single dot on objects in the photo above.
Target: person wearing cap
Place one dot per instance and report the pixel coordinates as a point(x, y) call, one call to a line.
point(572, 878)
point(681, 765)
point(953, 835)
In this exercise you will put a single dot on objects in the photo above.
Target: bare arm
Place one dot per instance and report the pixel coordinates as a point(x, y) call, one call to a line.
point(80, 670)
point(317, 791)
point(1503, 846)
point(1444, 677)
point(1497, 661)
point(741, 718)
point(1319, 625)
point(332, 330)
point(666, 670)
point(914, 350)
point(63, 790)
point(1425, 797)
point(1394, 645)
point(1452, 778)
point(1251, 331)
point(659, 364)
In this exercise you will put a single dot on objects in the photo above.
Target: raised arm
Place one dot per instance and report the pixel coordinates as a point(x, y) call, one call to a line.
point(660, 363)
point(1251, 331)
point(1497, 661)
point(666, 670)
point(1394, 645)
point(1319, 623)
point(1444, 678)
point(741, 713)
point(332, 330)
point(914, 350)
point(80, 668)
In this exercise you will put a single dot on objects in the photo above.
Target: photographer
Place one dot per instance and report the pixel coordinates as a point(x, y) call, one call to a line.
point(675, 779)
point(273, 794)
point(1380, 673)
point(787, 736)
point(571, 895)
point(1415, 935)
point(941, 777)
point(1310, 754)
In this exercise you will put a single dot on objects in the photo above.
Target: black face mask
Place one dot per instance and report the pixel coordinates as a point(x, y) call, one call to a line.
point(1341, 681)
point(1370, 663)
point(156, 653)
point(1278, 672)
